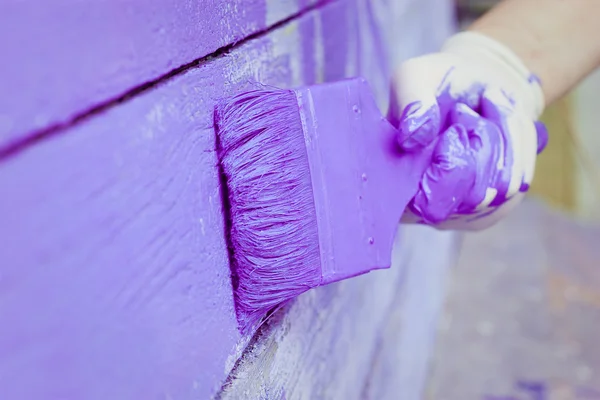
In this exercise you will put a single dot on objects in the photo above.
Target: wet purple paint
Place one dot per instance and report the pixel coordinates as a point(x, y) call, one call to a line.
point(417, 131)
point(451, 171)
point(501, 143)
point(467, 137)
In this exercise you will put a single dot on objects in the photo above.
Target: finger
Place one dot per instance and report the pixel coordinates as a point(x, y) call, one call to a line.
point(482, 135)
point(517, 147)
point(448, 179)
point(498, 108)
point(419, 126)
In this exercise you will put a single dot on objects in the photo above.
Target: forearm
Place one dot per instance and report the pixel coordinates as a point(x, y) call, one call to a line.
point(558, 40)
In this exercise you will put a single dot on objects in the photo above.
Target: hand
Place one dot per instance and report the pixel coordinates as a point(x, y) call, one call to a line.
point(473, 108)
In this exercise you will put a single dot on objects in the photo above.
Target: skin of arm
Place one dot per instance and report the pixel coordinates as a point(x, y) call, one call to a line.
point(558, 40)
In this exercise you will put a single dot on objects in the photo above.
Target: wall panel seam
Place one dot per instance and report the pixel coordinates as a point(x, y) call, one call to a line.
point(13, 148)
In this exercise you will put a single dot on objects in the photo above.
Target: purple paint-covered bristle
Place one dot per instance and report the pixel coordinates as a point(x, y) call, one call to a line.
point(268, 196)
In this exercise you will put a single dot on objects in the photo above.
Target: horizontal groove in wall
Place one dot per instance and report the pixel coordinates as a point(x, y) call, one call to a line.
point(32, 138)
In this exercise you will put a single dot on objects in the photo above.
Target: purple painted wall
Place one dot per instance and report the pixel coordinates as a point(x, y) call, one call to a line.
point(114, 282)
point(62, 58)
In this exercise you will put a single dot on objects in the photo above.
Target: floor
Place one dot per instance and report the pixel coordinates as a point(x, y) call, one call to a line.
point(522, 312)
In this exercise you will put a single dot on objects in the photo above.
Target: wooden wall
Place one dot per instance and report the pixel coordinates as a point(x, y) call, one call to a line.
point(114, 279)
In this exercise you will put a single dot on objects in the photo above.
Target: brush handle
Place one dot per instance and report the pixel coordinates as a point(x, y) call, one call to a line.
point(361, 181)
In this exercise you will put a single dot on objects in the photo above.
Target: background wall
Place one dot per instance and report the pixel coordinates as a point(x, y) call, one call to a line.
point(585, 119)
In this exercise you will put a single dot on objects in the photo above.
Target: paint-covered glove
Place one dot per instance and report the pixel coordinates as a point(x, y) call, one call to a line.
point(474, 107)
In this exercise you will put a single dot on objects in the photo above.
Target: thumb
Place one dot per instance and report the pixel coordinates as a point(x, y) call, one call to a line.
point(414, 110)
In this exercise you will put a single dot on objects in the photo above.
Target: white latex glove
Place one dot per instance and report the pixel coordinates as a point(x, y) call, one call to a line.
point(474, 107)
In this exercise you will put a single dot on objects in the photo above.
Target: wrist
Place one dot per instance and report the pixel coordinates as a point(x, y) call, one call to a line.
point(501, 62)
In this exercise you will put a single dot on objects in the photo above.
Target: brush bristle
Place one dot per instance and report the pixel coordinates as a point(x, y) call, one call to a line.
point(273, 236)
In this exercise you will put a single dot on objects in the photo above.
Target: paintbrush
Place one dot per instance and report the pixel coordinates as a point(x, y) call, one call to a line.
point(313, 187)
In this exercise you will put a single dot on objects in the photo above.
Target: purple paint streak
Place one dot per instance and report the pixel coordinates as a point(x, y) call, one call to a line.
point(337, 30)
point(381, 55)
point(307, 39)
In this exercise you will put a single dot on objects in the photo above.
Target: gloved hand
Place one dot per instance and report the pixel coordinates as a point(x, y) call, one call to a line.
point(474, 108)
